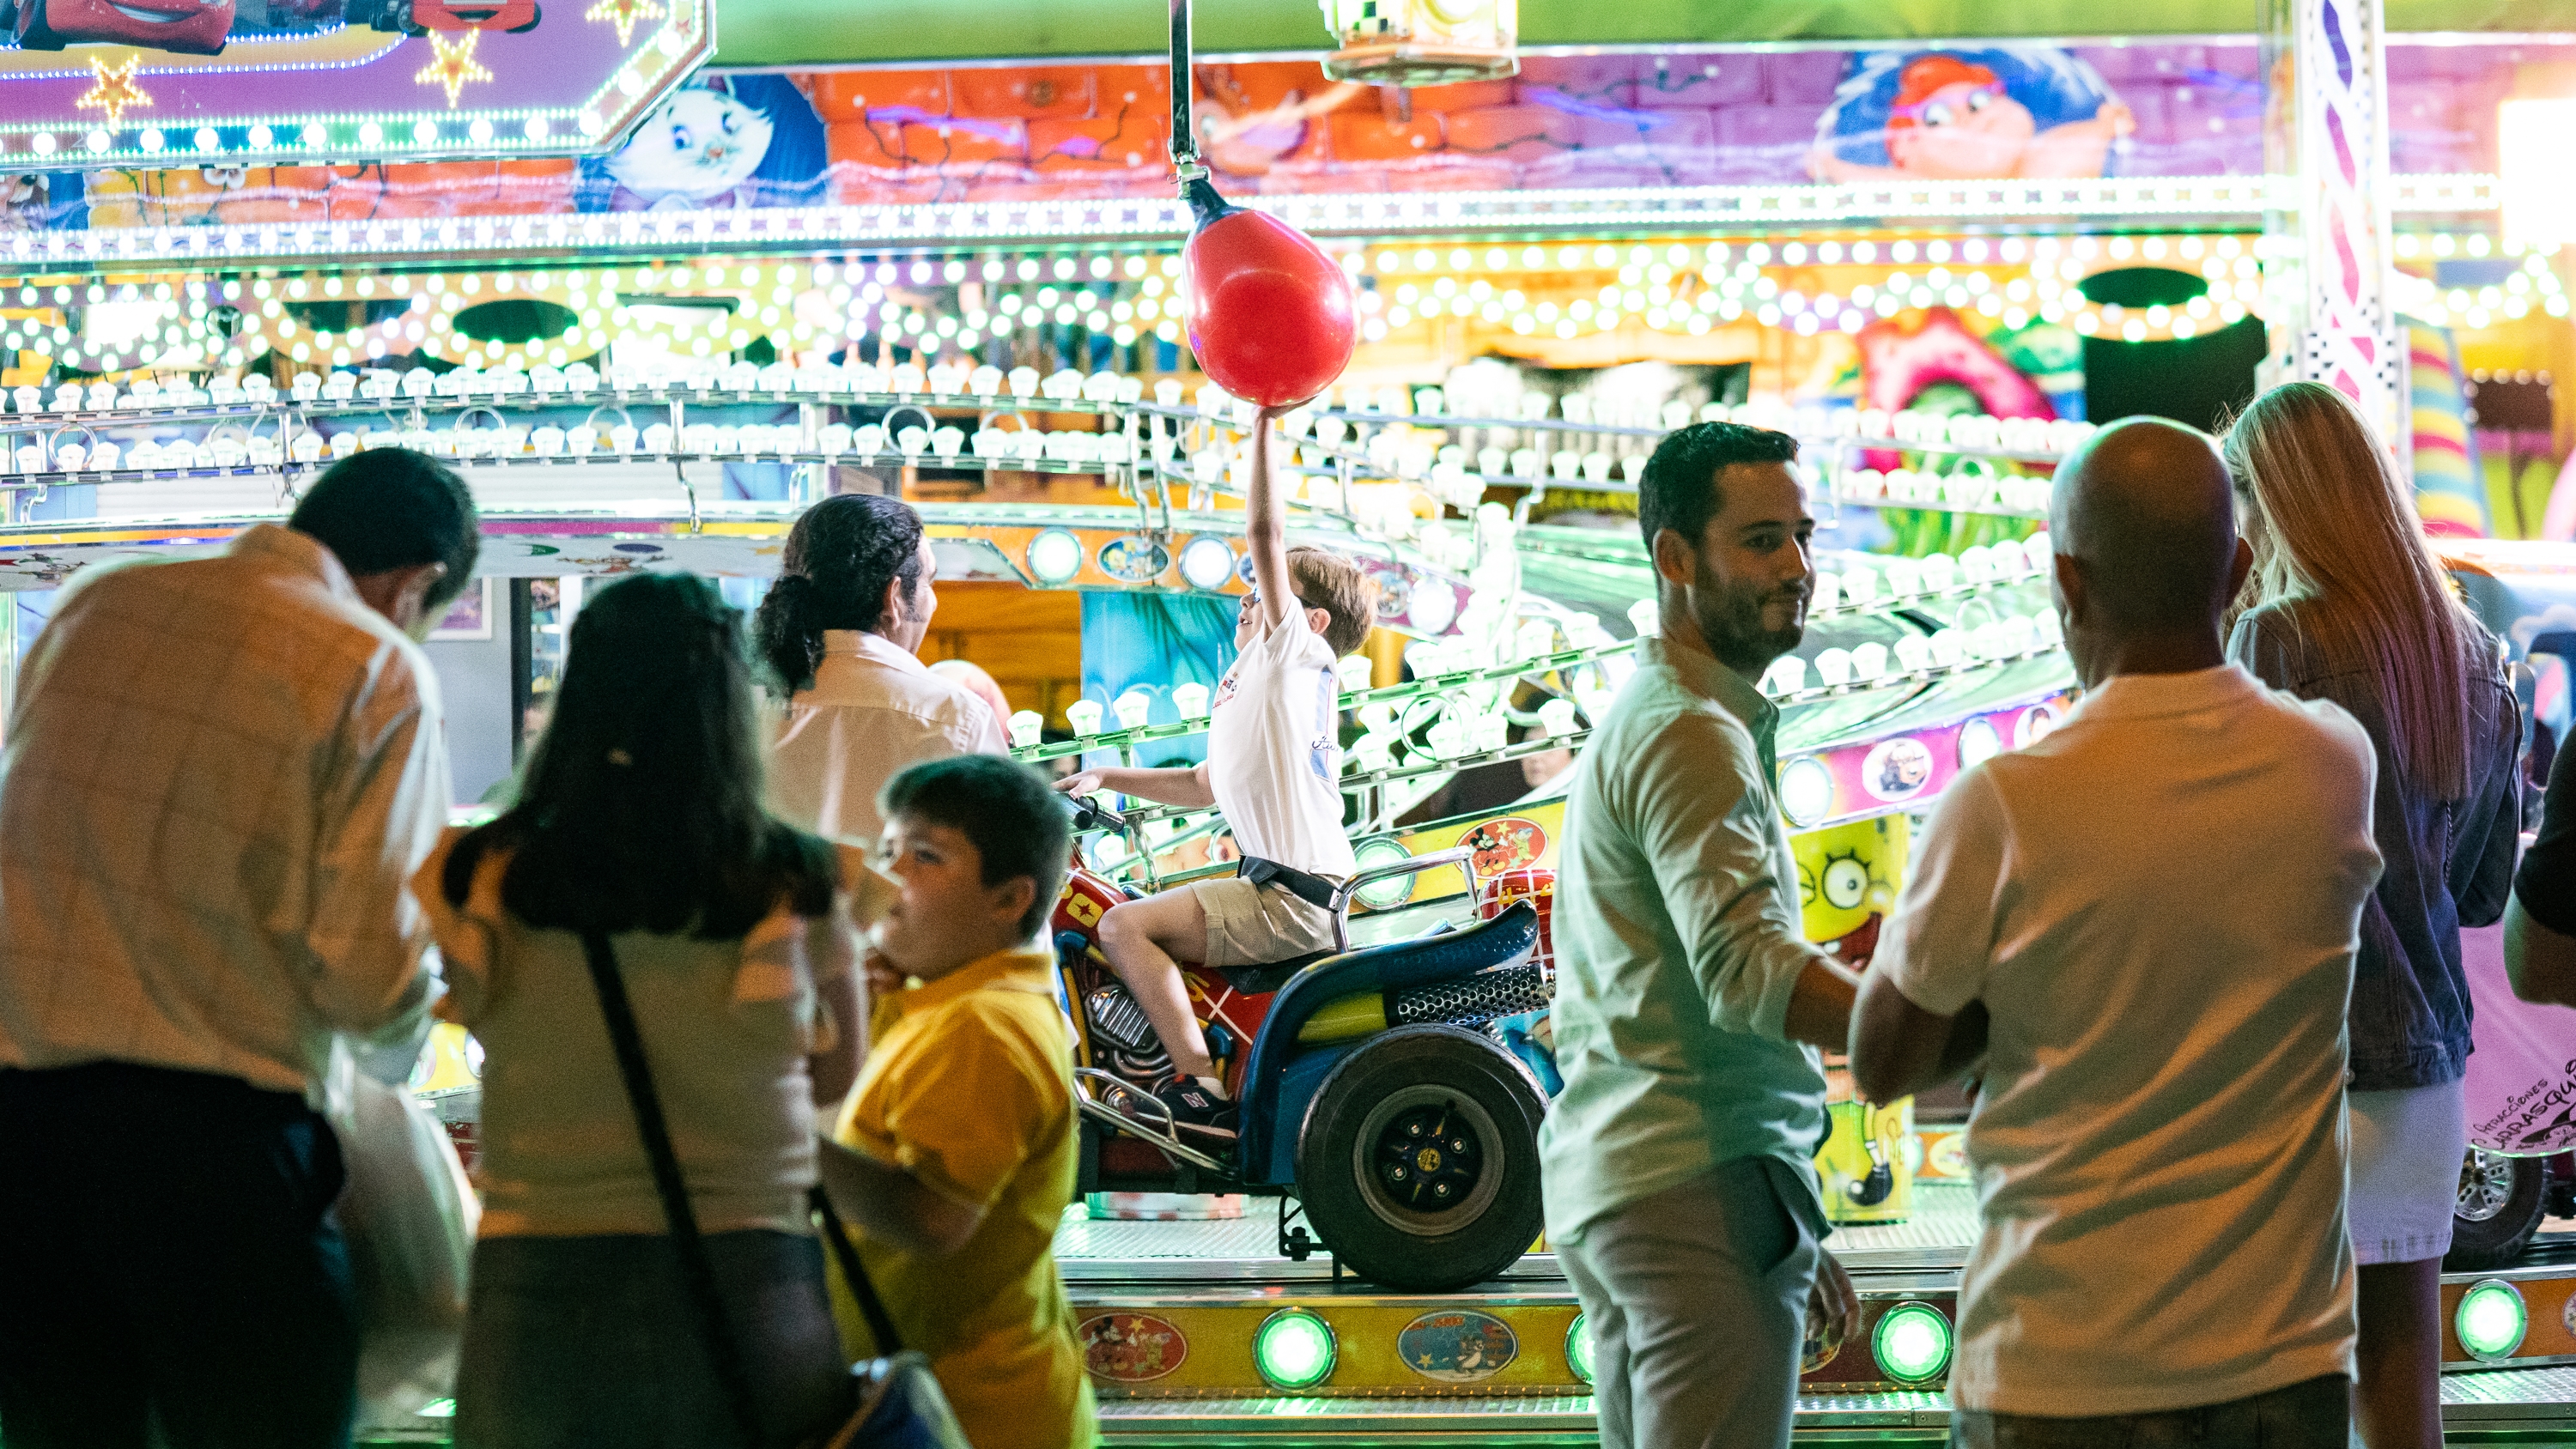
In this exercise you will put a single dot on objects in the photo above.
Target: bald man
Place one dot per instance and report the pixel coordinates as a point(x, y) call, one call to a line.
point(2139, 933)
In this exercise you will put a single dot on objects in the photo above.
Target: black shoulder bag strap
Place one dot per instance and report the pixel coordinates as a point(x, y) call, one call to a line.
point(721, 1347)
point(871, 1307)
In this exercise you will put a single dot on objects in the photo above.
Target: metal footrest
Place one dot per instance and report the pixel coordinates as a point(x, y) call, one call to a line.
point(1122, 1108)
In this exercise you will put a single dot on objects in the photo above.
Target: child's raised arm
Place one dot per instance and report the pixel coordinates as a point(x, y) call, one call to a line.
point(1265, 529)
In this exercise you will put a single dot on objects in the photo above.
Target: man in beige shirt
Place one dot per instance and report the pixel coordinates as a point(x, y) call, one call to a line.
point(840, 629)
point(2139, 934)
point(219, 776)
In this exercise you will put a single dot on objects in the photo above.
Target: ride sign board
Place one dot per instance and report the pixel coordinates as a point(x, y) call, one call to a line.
point(188, 84)
point(2521, 1086)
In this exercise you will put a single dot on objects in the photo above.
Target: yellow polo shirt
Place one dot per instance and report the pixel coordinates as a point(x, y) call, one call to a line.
point(969, 1087)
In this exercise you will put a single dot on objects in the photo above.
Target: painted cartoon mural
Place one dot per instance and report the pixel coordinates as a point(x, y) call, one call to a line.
point(719, 142)
point(867, 137)
point(2027, 111)
point(204, 27)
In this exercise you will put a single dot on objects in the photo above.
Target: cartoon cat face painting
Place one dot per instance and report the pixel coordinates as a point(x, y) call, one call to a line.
point(694, 147)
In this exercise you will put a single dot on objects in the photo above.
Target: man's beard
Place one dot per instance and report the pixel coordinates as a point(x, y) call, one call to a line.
point(1730, 621)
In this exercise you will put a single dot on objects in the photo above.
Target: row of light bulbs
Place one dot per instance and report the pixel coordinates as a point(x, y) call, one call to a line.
point(808, 306)
point(2006, 636)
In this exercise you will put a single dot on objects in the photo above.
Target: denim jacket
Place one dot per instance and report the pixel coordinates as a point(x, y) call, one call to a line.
point(2448, 863)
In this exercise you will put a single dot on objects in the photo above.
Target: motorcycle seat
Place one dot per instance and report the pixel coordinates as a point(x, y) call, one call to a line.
point(1261, 980)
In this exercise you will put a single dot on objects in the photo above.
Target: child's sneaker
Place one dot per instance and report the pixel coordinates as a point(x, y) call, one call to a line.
point(1196, 1109)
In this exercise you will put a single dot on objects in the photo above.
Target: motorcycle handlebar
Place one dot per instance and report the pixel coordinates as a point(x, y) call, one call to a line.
point(1090, 814)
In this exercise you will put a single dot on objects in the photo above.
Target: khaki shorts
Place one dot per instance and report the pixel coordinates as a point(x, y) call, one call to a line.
point(1250, 925)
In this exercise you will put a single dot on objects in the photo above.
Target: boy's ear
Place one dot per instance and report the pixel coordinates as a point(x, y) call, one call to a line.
point(1013, 897)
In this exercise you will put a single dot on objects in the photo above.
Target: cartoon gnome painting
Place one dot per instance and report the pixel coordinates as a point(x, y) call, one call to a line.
point(2027, 111)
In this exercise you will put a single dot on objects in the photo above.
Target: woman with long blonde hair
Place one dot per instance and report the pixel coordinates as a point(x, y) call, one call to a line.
point(2347, 603)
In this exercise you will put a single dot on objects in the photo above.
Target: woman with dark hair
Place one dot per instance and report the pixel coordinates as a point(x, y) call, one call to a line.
point(639, 817)
point(838, 634)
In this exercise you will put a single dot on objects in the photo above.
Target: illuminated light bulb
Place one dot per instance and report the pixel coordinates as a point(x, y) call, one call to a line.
point(2491, 1320)
point(1911, 1342)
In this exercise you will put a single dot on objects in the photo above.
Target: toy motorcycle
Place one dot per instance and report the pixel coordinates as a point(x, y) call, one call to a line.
point(1409, 1137)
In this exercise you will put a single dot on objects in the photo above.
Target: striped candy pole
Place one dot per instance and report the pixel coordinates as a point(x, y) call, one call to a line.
point(2327, 150)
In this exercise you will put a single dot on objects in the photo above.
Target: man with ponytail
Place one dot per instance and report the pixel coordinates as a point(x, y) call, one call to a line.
point(838, 634)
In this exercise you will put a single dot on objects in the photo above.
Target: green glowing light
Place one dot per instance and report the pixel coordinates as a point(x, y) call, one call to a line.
point(2491, 1320)
point(1293, 1349)
point(1578, 1347)
point(1912, 1342)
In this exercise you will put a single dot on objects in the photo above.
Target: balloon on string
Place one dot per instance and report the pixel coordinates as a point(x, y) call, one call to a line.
point(1269, 315)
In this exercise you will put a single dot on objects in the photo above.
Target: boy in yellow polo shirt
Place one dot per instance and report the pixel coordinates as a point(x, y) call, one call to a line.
point(963, 1121)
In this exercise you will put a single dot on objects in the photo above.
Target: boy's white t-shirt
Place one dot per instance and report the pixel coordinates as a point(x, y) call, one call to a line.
point(1275, 751)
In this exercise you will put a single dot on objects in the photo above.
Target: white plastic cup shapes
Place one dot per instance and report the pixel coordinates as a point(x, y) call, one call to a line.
point(1787, 675)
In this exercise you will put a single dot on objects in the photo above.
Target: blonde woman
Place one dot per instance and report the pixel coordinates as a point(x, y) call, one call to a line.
point(2347, 603)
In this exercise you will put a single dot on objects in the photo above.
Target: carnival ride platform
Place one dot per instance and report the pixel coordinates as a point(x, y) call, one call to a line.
point(1205, 1333)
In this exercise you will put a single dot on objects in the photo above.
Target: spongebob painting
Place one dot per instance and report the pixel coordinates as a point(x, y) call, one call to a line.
point(1847, 880)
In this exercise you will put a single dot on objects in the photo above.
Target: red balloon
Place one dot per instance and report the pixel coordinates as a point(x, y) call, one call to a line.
point(1270, 316)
